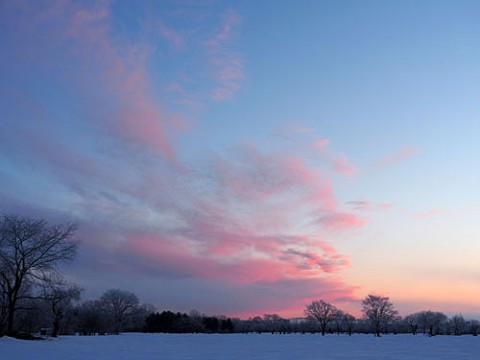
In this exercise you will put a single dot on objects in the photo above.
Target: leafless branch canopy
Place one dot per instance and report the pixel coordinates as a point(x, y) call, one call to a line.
point(29, 250)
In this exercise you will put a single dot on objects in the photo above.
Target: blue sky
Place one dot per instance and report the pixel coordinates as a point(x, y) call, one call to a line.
point(248, 157)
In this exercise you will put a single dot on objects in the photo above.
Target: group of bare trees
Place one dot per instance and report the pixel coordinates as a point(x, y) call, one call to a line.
point(380, 316)
point(35, 295)
point(434, 323)
point(115, 311)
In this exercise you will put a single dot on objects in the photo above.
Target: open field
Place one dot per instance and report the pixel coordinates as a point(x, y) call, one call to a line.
point(240, 346)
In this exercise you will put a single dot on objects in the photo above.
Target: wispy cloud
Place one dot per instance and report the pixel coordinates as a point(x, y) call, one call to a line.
point(135, 115)
point(400, 156)
point(321, 144)
point(338, 161)
point(343, 166)
point(174, 38)
point(227, 64)
point(365, 205)
point(229, 221)
point(341, 221)
point(429, 214)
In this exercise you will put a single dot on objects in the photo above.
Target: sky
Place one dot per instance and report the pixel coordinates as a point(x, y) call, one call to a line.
point(244, 158)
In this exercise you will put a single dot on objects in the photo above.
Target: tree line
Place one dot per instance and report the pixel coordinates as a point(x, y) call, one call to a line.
point(36, 298)
point(380, 317)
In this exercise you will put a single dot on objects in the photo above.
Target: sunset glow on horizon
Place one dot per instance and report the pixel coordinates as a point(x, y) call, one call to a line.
point(246, 158)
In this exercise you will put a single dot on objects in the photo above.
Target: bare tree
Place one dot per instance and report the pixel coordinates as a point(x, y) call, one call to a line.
point(432, 321)
point(459, 324)
point(348, 323)
point(29, 249)
point(412, 321)
point(474, 325)
point(90, 318)
point(118, 303)
point(338, 321)
point(59, 297)
point(196, 319)
point(136, 319)
point(323, 312)
point(379, 311)
point(275, 323)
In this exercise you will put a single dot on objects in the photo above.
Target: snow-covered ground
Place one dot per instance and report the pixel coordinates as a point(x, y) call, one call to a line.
point(240, 346)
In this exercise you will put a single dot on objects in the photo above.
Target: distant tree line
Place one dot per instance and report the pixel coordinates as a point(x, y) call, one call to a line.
point(35, 299)
point(380, 317)
point(194, 322)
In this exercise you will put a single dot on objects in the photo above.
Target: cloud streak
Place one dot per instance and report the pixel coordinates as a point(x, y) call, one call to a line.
point(430, 213)
point(174, 38)
point(227, 64)
point(339, 162)
point(398, 157)
point(365, 205)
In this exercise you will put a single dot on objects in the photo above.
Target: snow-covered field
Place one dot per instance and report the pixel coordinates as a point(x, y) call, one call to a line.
point(240, 346)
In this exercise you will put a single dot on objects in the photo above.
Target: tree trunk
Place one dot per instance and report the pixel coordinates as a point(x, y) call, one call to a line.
point(56, 327)
point(324, 329)
point(10, 317)
point(12, 303)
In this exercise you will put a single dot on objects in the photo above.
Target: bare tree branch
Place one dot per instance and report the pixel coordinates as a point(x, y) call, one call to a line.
point(30, 249)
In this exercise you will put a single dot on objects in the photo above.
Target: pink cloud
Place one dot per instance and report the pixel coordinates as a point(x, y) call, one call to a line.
point(172, 255)
point(236, 230)
point(341, 221)
point(429, 214)
point(321, 144)
point(339, 162)
point(320, 186)
point(329, 261)
point(123, 75)
point(365, 205)
point(343, 166)
point(238, 233)
point(401, 155)
point(256, 176)
point(72, 42)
